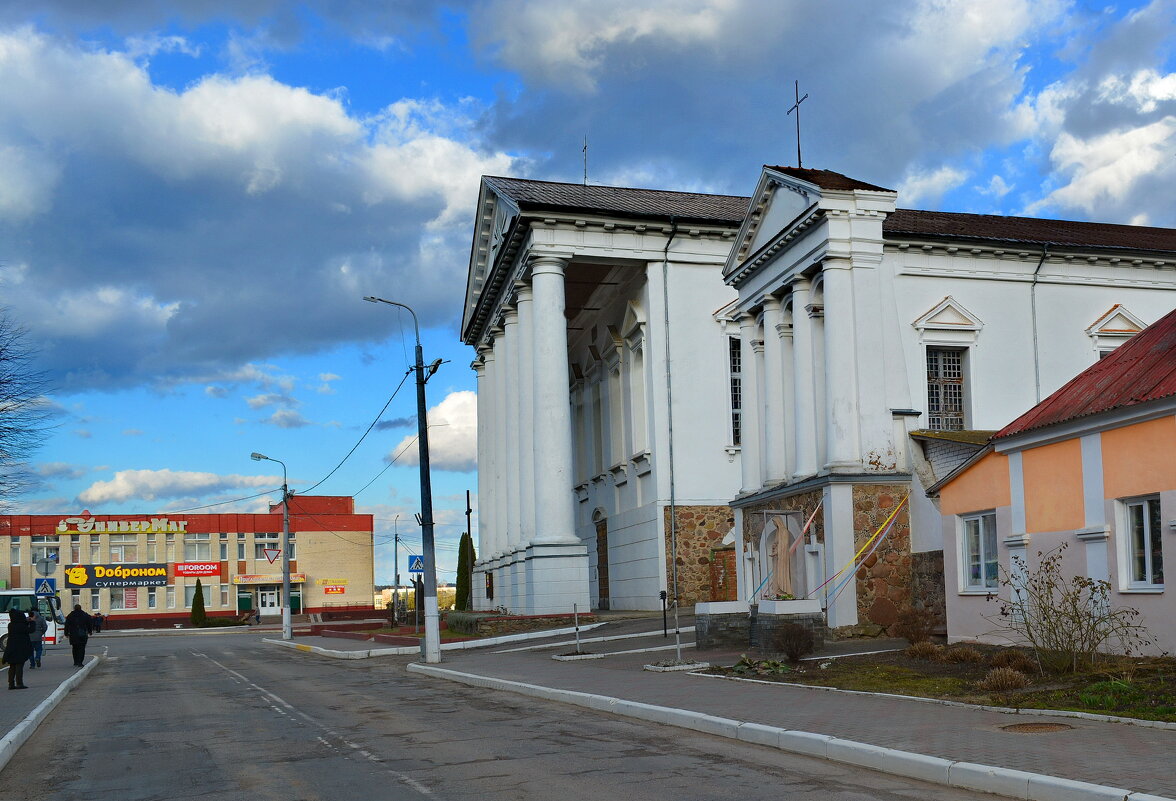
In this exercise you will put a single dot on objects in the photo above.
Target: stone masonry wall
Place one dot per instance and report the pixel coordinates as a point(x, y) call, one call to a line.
point(927, 589)
point(884, 581)
point(699, 530)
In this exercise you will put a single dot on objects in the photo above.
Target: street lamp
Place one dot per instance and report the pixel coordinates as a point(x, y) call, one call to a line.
point(287, 632)
point(432, 630)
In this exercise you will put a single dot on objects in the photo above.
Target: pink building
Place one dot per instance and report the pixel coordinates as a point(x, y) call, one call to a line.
point(1093, 466)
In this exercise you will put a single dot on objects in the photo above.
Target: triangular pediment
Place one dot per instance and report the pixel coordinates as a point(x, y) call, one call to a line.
point(1116, 321)
point(948, 314)
point(777, 202)
point(496, 213)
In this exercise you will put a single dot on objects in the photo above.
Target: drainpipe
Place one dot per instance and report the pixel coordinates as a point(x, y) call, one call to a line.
point(1033, 311)
point(670, 427)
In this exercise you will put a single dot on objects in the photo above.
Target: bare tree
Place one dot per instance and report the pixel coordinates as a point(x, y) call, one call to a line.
point(24, 412)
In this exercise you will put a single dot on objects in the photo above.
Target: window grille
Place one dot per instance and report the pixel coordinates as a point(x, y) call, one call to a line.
point(945, 389)
point(735, 357)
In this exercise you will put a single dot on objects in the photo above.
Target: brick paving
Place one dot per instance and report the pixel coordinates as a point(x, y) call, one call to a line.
point(1136, 758)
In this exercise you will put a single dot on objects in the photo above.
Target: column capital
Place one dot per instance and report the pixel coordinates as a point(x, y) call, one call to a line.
point(478, 365)
point(801, 284)
point(836, 263)
point(772, 304)
point(746, 319)
point(510, 316)
point(523, 292)
point(548, 263)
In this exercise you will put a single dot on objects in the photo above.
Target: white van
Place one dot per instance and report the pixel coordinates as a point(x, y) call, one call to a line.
point(25, 600)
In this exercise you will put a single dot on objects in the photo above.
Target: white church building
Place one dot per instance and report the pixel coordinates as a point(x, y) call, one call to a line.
point(744, 398)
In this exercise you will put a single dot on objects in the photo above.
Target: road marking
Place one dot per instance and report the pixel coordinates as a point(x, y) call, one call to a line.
point(286, 709)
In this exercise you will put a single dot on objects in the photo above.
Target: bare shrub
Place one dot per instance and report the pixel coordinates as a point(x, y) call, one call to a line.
point(924, 649)
point(1012, 658)
point(916, 625)
point(795, 641)
point(1003, 678)
point(961, 654)
point(1068, 621)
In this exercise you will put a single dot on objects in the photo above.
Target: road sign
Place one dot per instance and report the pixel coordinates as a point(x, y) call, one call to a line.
point(271, 554)
point(45, 586)
point(416, 564)
point(46, 566)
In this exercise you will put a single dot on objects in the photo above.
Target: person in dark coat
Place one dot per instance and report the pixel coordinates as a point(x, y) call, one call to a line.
point(18, 649)
point(78, 626)
point(37, 629)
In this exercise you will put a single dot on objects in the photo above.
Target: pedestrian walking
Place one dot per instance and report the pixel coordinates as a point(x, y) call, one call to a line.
point(37, 628)
point(78, 626)
point(17, 649)
point(98, 619)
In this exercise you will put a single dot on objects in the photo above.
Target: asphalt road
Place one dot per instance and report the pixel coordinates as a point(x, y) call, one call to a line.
point(228, 717)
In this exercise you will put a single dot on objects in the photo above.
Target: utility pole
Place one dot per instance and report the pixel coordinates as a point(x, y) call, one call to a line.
point(432, 623)
point(396, 570)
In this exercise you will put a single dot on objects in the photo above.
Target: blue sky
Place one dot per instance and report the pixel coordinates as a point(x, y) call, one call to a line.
point(196, 195)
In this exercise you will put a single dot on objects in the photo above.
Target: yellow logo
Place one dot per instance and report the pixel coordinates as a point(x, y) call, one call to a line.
point(76, 575)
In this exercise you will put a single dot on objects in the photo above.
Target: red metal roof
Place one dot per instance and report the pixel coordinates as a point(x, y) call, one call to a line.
point(1140, 370)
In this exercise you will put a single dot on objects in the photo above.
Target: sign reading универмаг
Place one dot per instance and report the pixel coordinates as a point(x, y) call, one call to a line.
point(116, 575)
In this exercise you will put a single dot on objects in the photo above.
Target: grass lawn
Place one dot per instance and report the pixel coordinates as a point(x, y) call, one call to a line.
point(1139, 687)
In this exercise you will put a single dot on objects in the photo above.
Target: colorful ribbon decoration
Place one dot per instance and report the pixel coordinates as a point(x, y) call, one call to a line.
point(877, 536)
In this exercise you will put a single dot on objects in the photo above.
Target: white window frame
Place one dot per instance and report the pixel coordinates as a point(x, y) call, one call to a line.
point(171, 596)
point(197, 547)
point(95, 601)
point(735, 389)
point(1152, 531)
point(986, 538)
point(190, 594)
point(117, 598)
point(123, 547)
point(152, 599)
point(265, 540)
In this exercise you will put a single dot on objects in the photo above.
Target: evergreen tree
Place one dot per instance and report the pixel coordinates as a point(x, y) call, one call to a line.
point(198, 616)
point(464, 563)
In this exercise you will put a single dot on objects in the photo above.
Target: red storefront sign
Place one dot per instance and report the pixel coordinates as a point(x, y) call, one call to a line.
point(336, 590)
point(197, 568)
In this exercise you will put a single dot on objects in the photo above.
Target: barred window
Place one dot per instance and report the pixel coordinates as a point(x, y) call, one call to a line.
point(735, 361)
point(945, 389)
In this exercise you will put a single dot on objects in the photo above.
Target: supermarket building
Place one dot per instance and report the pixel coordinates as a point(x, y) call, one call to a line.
point(141, 570)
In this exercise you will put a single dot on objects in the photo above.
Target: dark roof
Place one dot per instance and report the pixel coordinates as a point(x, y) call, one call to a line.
point(614, 200)
point(1140, 370)
point(967, 437)
point(827, 179)
point(909, 222)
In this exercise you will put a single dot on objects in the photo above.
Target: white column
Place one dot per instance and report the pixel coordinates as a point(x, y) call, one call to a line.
point(787, 377)
point(552, 414)
point(526, 392)
point(510, 421)
point(501, 542)
point(775, 466)
point(750, 432)
point(802, 382)
point(841, 431)
point(487, 457)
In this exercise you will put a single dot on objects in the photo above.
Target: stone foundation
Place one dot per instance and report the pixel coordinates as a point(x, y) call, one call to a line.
point(722, 632)
point(927, 588)
point(765, 631)
point(700, 532)
point(885, 579)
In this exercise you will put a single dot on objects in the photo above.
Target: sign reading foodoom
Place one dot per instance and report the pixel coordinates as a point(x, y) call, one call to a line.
point(334, 590)
point(116, 575)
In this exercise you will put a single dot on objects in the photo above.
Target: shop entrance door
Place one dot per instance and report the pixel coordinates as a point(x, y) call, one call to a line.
point(269, 601)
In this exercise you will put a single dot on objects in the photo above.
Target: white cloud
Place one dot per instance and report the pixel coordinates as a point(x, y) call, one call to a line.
point(453, 435)
point(287, 418)
point(150, 485)
point(1104, 173)
point(921, 187)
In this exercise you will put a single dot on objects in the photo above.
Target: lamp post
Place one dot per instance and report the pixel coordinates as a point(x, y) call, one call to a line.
point(287, 631)
point(432, 630)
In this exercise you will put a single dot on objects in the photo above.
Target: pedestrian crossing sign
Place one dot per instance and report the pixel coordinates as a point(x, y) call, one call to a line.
point(45, 586)
point(416, 564)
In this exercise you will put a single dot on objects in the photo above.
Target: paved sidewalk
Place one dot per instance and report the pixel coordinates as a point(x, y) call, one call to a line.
point(1137, 758)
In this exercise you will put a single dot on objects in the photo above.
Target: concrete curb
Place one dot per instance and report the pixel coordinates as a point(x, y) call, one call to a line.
point(1004, 710)
point(22, 731)
point(409, 650)
point(952, 773)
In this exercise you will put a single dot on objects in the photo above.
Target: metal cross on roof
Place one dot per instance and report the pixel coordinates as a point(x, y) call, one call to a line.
point(796, 108)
